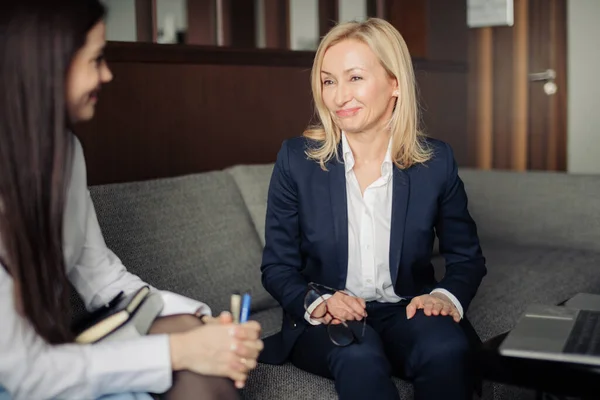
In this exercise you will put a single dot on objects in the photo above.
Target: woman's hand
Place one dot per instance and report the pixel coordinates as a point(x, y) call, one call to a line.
point(224, 318)
point(218, 349)
point(432, 304)
point(340, 307)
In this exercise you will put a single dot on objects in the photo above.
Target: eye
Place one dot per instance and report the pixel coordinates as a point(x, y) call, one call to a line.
point(327, 82)
point(355, 78)
point(99, 60)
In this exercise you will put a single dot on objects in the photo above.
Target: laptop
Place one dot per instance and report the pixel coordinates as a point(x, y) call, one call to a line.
point(569, 333)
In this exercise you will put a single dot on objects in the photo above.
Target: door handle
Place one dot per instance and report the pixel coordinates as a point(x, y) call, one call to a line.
point(548, 76)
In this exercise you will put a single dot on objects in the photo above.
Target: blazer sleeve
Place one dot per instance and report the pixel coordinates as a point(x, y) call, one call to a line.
point(282, 260)
point(458, 240)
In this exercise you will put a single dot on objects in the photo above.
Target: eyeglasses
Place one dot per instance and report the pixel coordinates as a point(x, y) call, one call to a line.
point(340, 334)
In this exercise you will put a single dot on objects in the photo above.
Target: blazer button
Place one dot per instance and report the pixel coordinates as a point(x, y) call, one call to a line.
point(294, 324)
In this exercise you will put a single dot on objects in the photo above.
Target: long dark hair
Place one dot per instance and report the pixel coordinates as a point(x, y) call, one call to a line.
point(38, 39)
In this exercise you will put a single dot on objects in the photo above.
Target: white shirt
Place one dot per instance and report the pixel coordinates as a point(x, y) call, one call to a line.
point(369, 228)
point(30, 368)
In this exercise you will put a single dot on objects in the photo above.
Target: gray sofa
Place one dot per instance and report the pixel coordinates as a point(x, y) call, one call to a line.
point(202, 235)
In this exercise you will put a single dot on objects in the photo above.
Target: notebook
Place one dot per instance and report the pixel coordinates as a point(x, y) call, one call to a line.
point(124, 317)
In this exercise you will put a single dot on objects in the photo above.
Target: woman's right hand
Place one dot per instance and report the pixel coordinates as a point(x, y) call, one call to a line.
point(340, 307)
point(225, 350)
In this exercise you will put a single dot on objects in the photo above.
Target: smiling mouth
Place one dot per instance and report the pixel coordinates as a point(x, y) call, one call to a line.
point(94, 94)
point(347, 112)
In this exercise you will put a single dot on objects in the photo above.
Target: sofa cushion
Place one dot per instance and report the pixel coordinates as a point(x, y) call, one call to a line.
point(191, 235)
point(283, 382)
point(521, 275)
point(253, 182)
point(270, 320)
point(538, 208)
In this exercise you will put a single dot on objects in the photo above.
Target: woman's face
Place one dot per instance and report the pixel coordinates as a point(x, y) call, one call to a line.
point(357, 90)
point(87, 72)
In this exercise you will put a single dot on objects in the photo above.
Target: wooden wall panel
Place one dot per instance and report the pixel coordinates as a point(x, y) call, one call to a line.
point(547, 135)
point(242, 23)
point(277, 23)
point(411, 18)
point(174, 110)
point(446, 29)
point(328, 15)
point(481, 99)
point(538, 61)
point(377, 8)
point(502, 97)
point(158, 120)
point(520, 99)
point(558, 160)
point(202, 22)
point(145, 20)
point(444, 110)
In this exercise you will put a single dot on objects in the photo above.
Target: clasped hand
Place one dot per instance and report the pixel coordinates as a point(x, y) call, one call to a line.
point(340, 307)
point(219, 348)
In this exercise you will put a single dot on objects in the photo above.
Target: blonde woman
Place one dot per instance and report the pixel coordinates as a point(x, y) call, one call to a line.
point(353, 208)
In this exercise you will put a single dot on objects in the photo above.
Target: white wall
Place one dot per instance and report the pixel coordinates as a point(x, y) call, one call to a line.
point(120, 20)
point(304, 24)
point(304, 20)
point(352, 10)
point(171, 16)
point(261, 34)
point(583, 49)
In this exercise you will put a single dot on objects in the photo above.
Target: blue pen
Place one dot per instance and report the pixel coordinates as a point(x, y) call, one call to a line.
point(245, 313)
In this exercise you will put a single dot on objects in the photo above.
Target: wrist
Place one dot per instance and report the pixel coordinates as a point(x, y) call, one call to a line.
point(319, 311)
point(177, 351)
point(200, 315)
point(440, 296)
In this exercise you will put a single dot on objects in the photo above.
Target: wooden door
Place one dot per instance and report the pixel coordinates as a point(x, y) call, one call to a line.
point(515, 121)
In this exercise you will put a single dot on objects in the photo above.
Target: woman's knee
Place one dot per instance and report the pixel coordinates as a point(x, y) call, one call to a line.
point(175, 323)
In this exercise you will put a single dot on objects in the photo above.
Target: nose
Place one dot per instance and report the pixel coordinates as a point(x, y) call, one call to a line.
point(105, 74)
point(342, 94)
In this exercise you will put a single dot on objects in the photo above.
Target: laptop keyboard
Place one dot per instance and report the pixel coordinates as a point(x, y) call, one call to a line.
point(585, 336)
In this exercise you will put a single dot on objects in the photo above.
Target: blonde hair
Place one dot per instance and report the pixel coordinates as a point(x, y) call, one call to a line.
point(385, 41)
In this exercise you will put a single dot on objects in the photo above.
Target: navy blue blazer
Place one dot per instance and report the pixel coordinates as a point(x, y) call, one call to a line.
point(306, 233)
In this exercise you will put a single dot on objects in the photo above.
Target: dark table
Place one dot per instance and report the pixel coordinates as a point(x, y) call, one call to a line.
point(550, 379)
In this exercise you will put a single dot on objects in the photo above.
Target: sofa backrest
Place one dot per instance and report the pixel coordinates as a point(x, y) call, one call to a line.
point(202, 235)
point(192, 235)
point(253, 183)
point(535, 208)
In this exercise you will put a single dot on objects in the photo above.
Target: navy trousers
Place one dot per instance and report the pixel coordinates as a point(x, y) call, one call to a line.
point(432, 352)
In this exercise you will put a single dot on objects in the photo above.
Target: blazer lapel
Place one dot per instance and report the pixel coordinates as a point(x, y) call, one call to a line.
point(400, 194)
point(339, 211)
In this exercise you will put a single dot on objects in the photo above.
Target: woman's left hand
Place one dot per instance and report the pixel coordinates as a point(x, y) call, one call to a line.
point(432, 304)
point(224, 318)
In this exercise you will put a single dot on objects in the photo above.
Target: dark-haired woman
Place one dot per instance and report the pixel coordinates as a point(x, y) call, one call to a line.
point(51, 71)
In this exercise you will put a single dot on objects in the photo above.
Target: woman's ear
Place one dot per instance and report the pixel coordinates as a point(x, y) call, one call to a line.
point(396, 92)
